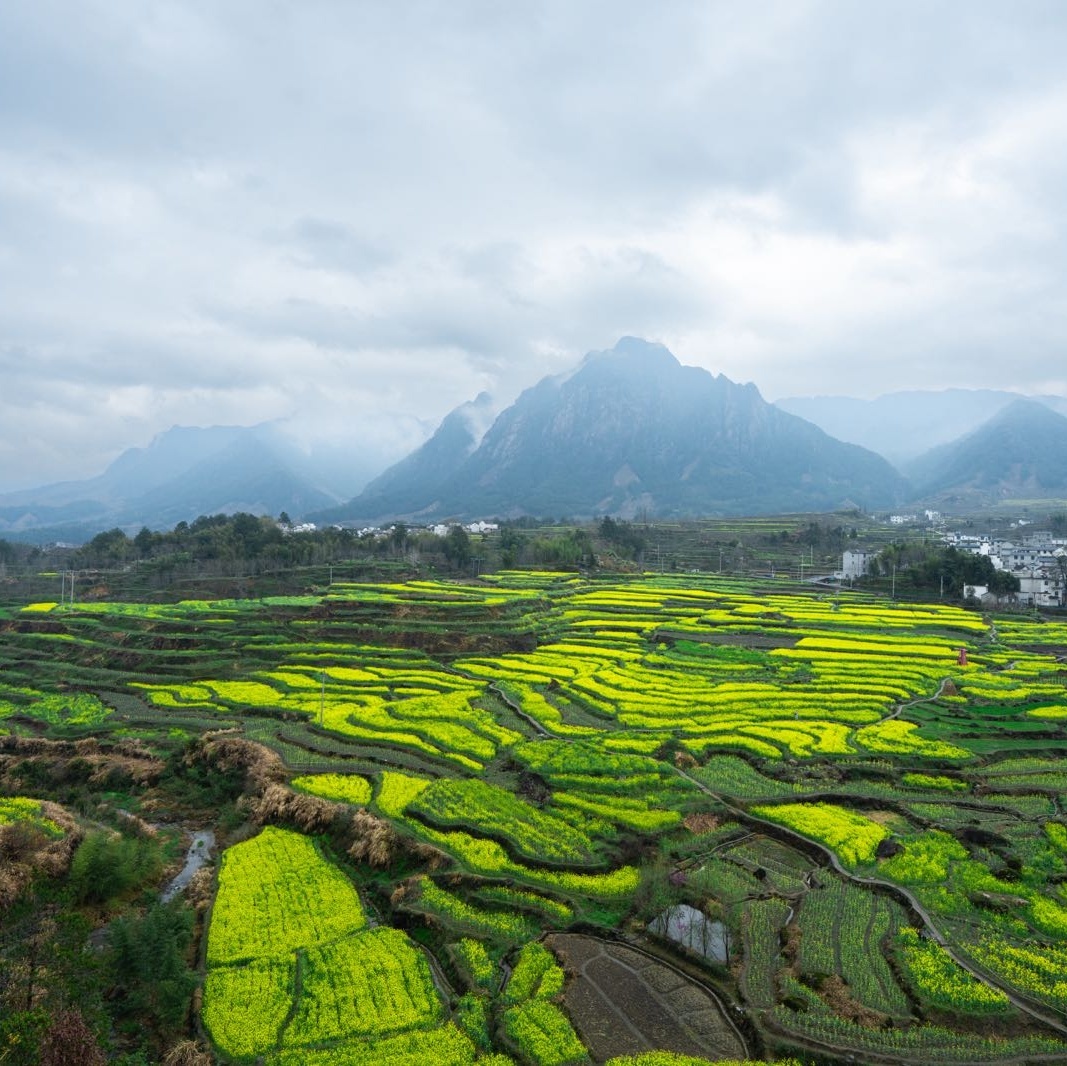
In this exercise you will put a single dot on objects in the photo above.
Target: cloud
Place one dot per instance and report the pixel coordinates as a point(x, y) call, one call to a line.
point(355, 217)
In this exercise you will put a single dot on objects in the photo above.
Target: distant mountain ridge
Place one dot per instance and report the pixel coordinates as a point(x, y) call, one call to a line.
point(1021, 452)
point(901, 426)
point(628, 431)
point(632, 431)
point(418, 476)
point(185, 472)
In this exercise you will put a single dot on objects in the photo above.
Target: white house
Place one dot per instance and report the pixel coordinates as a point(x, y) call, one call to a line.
point(854, 564)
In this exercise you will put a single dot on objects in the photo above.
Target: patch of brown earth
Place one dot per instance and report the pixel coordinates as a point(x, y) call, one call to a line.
point(623, 1002)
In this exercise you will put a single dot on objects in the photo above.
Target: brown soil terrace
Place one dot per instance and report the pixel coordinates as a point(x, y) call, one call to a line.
point(623, 1002)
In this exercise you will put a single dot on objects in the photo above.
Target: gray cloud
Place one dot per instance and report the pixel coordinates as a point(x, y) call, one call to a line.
point(356, 216)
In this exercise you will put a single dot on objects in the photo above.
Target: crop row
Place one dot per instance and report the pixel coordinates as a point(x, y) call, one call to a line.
point(760, 923)
point(536, 974)
point(939, 980)
point(494, 811)
point(462, 915)
point(288, 964)
point(851, 836)
point(277, 894)
point(23, 809)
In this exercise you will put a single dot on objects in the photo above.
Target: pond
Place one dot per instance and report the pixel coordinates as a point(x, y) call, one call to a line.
point(691, 929)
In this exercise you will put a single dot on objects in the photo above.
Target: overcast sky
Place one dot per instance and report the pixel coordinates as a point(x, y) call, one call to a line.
point(357, 215)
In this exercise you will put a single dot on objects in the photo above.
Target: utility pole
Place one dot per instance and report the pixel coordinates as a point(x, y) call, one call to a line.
point(322, 700)
point(893, 594)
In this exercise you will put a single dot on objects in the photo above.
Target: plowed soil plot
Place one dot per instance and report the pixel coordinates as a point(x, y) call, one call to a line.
point(623, 1003)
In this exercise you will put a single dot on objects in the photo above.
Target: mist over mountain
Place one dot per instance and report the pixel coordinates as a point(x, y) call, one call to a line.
point(1020, 452)
point(630, 431)
point(185, 472)
point(901, 426)
point(407, 485)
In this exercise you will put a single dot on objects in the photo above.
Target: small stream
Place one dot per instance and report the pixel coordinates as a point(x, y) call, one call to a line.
point(198, 855)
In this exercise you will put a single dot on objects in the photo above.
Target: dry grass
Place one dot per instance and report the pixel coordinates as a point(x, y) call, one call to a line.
point(374, 840)
point(58, 760)
point(227, 753)
point(838, 997)
point(26, 851)
point(277, 804)
point(187, 1053)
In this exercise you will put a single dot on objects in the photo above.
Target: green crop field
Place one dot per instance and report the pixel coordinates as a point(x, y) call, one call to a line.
point(411, 781)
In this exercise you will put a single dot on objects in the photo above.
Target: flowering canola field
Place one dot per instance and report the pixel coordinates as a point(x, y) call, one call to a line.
point(594, 745)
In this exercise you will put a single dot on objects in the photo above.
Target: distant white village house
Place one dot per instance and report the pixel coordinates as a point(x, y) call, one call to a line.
point(855, 564)
point(1039, 562)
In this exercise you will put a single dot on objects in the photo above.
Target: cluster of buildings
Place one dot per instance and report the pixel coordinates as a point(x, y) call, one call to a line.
point(1038, 560)
point(933, 517)
point(441, 529)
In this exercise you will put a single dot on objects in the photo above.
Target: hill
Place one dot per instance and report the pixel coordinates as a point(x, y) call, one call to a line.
point(904, 425)
point(185, 472)
point(1020, 452)
point(405, 486)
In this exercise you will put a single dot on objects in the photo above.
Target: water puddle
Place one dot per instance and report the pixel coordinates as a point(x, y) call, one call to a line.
point(688, 927)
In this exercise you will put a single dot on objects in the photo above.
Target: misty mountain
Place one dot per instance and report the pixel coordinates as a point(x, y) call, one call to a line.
point(184, 472)
point(903, 425)
point(1020, 452)
point(631, 430)
point(407, 485)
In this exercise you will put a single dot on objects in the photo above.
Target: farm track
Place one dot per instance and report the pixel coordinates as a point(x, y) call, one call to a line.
point(901, 707)
point(1036, 1011)
point(542, 732)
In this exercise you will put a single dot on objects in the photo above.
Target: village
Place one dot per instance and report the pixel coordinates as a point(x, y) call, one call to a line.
point(1038, 560)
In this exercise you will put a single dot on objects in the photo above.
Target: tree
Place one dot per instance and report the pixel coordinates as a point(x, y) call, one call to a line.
point(147, 963)
point(144, 541)
point(1003, 583)
point(106, 864)
point(20, 1036)
point(398, 538)
point(106, 549)
point(511, 545)
point(457, 547)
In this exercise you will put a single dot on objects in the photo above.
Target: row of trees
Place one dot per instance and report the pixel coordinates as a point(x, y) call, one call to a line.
point(252, 544)
point(945, 571)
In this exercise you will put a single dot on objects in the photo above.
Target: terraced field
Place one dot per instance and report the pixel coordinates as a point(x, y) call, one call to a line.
point(876, 818)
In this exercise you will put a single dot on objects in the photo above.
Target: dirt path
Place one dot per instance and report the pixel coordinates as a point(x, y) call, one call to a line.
point(1040, 1012)
point(898, 708)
